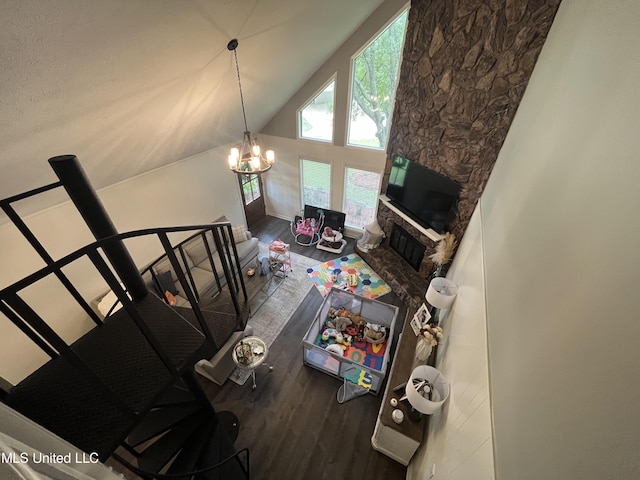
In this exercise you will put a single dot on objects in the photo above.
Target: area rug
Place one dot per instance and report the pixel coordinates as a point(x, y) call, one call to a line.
point(334, 272)
point(285, 297)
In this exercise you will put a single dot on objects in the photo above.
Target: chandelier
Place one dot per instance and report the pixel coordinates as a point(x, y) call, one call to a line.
point(248, 157)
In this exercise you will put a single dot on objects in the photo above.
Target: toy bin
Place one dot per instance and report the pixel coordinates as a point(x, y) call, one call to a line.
point(369, 359)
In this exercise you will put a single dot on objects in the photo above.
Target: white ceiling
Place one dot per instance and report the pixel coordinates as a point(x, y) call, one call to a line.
point(130, 85)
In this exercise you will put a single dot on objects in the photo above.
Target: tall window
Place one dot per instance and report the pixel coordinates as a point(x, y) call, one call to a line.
point(315, 119)
point(316, 183)
point(374, 74)
point(251, 188)
point(361, 189)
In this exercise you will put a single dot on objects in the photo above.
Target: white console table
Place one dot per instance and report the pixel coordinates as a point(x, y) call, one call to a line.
point(429, 232)
point(399, 441)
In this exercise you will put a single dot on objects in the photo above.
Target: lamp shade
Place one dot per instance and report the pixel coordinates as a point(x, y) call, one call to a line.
point(441, 292)
point(435, 381)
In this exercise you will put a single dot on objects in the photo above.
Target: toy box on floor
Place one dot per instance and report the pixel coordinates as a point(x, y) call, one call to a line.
point(351, 331)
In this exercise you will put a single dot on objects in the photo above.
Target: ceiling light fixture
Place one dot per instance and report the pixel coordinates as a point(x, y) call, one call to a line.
point(247, 157)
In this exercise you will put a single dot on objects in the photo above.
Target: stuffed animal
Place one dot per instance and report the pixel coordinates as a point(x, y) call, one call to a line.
point(342, 323)
point(357, 320)
point(374, 333)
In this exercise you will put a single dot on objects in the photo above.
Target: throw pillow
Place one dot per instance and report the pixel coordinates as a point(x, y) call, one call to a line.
point(165, 279)
point(239, 234)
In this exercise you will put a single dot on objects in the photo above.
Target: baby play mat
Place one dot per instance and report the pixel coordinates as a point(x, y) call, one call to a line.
point(350, 273)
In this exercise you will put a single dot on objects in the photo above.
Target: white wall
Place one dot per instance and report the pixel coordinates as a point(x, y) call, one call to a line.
point(561, 236)
point(196, 190)
point(459, 440)
point(283, 182)
point(283, 124)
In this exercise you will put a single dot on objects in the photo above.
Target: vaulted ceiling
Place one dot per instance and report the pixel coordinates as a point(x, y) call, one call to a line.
point(130, 85)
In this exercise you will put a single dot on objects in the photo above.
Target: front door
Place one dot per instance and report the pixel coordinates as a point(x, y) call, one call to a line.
point(252, 197)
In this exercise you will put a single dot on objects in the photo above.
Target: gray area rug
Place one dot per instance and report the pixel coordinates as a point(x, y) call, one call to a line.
point(286, 295)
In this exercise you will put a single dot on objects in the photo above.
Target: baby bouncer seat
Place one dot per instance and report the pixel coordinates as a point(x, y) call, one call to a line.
point(306, 228)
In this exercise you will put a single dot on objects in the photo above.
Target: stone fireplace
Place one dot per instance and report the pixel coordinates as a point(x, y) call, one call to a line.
point(405, 245)
point(465, 67)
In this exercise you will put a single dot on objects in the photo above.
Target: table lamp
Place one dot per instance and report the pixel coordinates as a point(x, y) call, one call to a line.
point(427, 389)
point(440, 295)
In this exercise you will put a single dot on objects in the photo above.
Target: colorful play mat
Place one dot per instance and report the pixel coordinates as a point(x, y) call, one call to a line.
point(337, 273)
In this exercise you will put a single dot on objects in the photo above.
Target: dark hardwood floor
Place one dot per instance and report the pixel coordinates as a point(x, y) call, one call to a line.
point(272, 228)
point(292, 423)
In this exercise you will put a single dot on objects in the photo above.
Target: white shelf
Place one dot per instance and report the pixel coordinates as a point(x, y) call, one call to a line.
point(429, 232)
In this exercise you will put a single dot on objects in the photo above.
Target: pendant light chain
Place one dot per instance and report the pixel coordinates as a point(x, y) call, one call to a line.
point(244, 115)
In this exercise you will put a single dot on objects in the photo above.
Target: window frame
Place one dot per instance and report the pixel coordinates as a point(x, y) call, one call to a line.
point(357, 53)
point(301, 159)
point(333, 79)
point(249, 180)
point(344, 190)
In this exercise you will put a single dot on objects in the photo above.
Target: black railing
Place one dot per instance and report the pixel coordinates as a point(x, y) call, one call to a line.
point(28, 321)
point(16, 309)
point(79, 384)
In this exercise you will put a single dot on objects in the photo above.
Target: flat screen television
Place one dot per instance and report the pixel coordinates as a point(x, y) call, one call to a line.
point(425, 195)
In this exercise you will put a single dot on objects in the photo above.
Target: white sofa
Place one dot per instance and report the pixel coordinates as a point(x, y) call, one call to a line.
point(196, 264)
point(196, 261)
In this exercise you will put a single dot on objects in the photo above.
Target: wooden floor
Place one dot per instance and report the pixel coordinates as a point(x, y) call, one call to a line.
point(292, 423)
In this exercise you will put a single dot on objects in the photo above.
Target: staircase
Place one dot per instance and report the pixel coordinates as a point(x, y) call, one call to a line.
point(127, 387)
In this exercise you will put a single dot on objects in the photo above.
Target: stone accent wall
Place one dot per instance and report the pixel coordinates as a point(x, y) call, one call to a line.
point(465, 67)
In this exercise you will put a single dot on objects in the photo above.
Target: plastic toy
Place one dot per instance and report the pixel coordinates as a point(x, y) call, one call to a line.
point(335, 349)
point(332, 333)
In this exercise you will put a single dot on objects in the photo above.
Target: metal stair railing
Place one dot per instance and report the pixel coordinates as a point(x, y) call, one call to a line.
point(80, 364)
point(16, 309)
point(7, 206)
point(28, 321)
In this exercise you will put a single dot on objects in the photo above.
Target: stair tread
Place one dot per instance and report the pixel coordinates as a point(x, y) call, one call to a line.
point(160, 420)
point(219, 447)
point(221, 324)
point(158, 454)
point(59, 398)
point(175, 396)
point(187, 459)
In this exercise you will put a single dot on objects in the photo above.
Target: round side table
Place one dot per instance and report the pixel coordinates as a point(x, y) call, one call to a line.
point(249, 353)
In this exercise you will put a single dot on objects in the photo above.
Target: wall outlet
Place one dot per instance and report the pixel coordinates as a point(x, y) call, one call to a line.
point(433, 471)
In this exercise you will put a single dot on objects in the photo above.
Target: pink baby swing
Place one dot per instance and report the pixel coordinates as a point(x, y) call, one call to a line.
point(306, 229)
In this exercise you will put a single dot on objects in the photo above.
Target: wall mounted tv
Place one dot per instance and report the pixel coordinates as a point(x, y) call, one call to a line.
point(425, 195)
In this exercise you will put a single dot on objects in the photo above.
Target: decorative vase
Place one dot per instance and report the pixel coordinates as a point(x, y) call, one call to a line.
point(438, 271)
point(423, 350)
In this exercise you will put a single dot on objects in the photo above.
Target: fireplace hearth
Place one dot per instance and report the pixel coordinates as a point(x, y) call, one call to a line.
point(405, 245)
